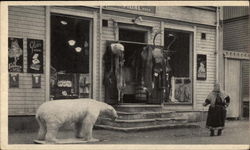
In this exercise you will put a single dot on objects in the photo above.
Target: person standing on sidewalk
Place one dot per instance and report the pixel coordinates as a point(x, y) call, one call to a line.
point(218, 101)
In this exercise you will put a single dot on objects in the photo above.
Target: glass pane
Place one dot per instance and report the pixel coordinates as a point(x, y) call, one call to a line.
point(180, 58)
point(181, 81)
point(70, 76)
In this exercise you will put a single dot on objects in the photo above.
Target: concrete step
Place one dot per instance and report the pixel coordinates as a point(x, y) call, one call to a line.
point(138, 108)
point(144, 115)
point(140, 122)
point(147, 128)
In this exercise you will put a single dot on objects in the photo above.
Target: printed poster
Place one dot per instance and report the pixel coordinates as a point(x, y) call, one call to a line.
point(15, 54)
point(35, 56)
point(201, 67)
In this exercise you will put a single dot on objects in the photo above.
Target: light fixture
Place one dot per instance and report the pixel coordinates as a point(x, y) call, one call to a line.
point(64, 22)
point(170, 35)
point(72, 42)
point(137, 19)
point(78, 49)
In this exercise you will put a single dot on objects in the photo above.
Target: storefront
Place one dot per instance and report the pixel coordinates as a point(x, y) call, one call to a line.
point(167, 57)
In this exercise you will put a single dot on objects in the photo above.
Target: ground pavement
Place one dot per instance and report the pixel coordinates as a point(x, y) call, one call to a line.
point(236, 132)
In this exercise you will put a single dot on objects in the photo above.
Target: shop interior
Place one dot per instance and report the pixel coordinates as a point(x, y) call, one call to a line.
point(70, 53)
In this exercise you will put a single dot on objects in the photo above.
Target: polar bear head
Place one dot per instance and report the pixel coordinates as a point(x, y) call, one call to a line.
point(109, 111)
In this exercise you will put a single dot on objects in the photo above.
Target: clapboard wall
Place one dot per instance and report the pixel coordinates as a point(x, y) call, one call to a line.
point(245, 80)
point(236, 34)
point(26, 22)
point(207, 47)
point(230, 12)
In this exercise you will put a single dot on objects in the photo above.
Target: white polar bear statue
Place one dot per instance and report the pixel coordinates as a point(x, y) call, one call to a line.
point(82, 112)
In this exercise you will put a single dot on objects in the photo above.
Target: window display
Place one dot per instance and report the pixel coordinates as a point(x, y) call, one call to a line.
point(180, 62)
point(70, 57)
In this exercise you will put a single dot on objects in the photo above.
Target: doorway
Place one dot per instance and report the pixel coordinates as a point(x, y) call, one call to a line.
point(133, 41)
point(70, 57)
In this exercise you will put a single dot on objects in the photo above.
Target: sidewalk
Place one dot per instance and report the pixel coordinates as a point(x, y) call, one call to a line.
point(236, 132)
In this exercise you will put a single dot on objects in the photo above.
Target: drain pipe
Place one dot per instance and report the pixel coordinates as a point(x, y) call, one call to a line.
point(217, 42)
point(100, 51)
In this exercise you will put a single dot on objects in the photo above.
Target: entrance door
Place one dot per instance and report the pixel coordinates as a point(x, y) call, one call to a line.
point(134, 41)
point(232, 87)
point(70, 57)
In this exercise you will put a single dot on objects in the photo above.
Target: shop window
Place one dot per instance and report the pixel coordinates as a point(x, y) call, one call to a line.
point(181, 66)
point(70, 57)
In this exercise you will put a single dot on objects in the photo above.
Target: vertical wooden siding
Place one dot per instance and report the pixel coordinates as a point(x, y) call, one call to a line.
point(230, 12)
point(236, 35)
point(245, 80)
point(26, 22)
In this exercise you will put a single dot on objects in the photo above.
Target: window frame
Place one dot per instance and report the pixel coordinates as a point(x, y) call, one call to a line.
point(191, 31)
point(92, 17)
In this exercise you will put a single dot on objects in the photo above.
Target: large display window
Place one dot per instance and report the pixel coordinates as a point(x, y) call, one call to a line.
point(70, 57)
point(181, 65)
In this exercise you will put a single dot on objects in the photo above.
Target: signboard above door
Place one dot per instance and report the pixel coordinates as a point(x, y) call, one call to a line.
point(148, 9)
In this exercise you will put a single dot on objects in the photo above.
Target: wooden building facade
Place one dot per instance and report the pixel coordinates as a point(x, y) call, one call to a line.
point(197, 45)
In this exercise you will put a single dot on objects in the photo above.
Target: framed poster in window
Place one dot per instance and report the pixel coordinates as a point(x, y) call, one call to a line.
point(15, 54)
point(201, 67)
point(35, 56)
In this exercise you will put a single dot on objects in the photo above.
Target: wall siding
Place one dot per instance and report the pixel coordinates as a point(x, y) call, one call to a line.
point(188, 14)
point(230, 12)
point(207, 47)
point(245, 80)
point(236, 35)
point(26, 22)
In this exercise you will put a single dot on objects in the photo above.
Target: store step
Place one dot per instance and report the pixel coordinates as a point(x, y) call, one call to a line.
point(147, 128)
point(141, 122)
point(138, 108)
point(144, 115)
